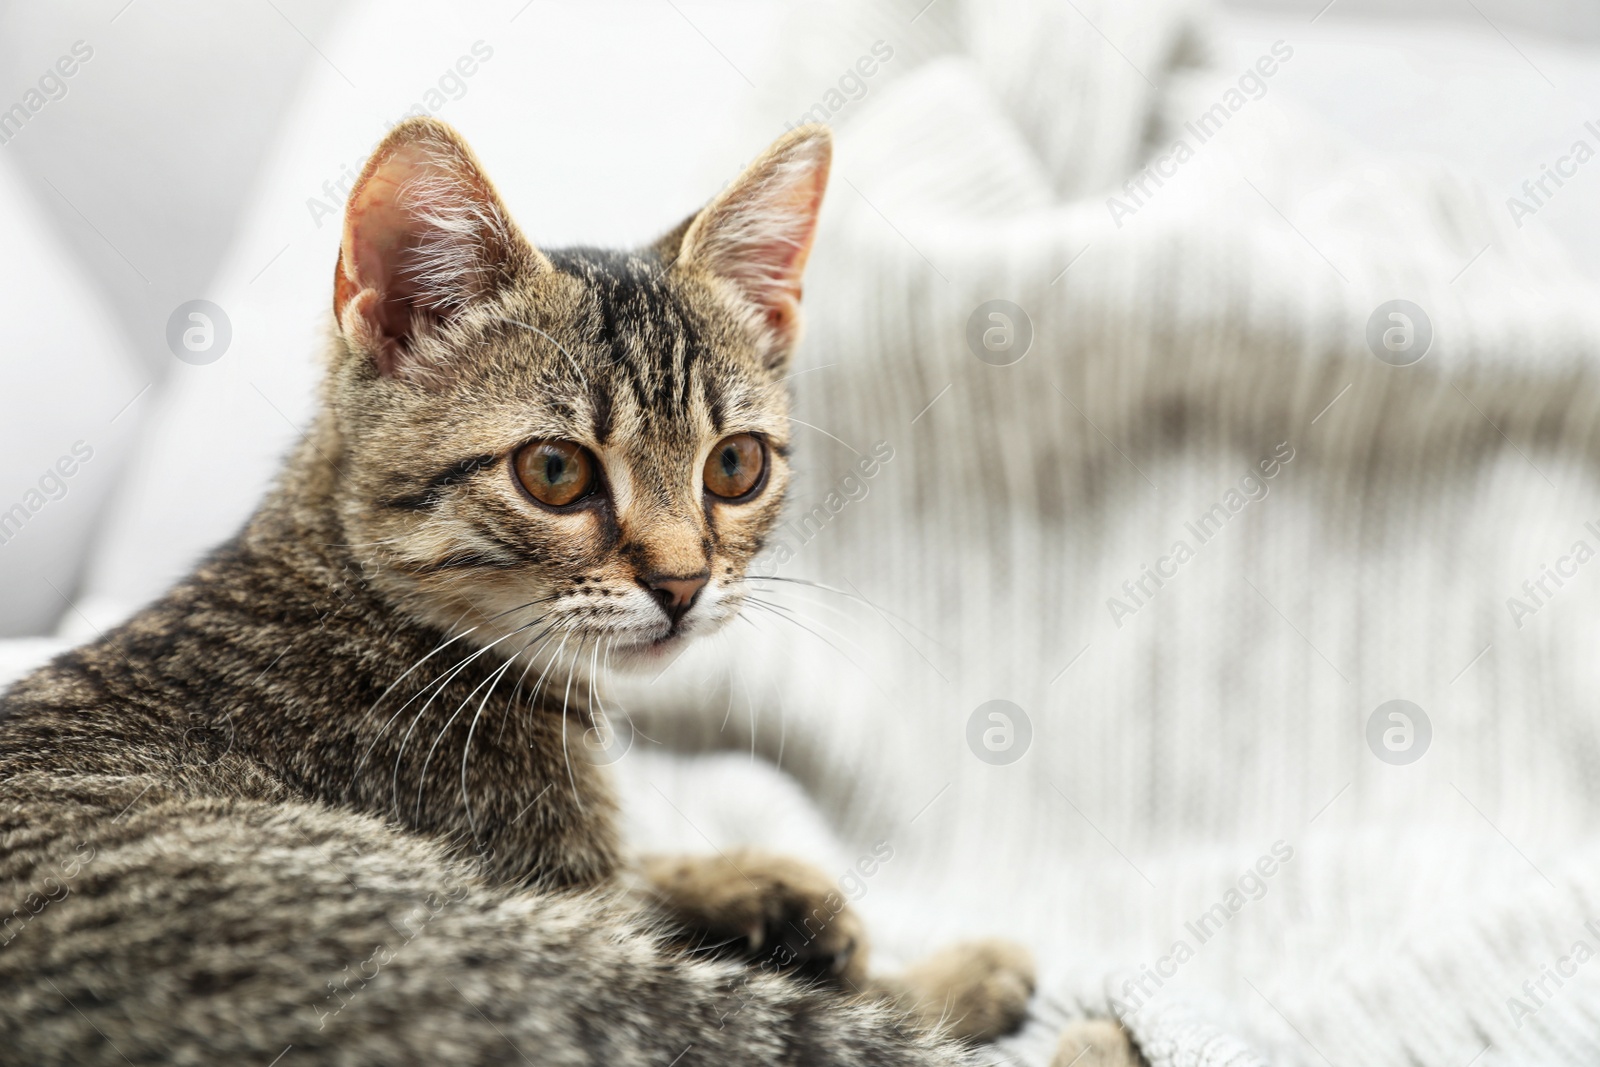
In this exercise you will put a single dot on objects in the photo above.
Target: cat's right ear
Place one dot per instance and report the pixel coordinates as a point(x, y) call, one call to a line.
point(753, 239)
point(425, 236)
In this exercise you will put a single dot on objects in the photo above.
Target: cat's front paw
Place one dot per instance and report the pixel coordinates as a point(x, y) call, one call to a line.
point(1095, 1043)
point(974, 991)
point(769, 909)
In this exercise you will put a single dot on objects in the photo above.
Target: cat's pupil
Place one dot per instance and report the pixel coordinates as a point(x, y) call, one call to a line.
point(554, 468)
point(730, 461)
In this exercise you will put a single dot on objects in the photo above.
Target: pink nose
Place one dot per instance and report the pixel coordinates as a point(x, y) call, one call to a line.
point(675, 595)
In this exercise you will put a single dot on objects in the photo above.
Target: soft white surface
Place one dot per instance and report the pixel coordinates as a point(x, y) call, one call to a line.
point(1172, 751)
point(530, 111)
point(1455, 92)
point(68, 380)
point(1228, 714)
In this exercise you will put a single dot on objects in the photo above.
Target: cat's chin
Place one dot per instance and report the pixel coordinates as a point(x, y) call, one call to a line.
point(650, 655)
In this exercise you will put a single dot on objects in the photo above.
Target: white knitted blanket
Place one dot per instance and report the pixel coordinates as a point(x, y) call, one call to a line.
point(1197, 831)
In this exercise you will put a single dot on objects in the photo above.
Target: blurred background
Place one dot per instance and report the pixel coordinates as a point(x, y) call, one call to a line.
point(1179, 319)
point(188, 153)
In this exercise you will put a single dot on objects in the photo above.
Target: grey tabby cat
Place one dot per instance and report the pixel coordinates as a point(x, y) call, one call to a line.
point(318, 802)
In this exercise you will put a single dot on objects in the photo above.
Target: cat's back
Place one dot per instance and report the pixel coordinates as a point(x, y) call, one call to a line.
point(149, 701)
point(82, 714)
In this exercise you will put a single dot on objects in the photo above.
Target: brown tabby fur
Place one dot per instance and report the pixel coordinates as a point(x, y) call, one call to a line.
point(325, 799)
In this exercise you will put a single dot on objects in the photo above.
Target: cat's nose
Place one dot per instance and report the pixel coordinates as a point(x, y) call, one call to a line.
point(675, 595)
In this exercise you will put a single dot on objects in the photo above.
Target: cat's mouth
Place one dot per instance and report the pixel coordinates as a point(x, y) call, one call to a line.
point(650, 653)
point(636, 640)
point(654, 648)
point(679, 633)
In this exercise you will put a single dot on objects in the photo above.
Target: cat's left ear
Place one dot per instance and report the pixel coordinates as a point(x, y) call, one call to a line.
point(425, 236)
point(755, 236)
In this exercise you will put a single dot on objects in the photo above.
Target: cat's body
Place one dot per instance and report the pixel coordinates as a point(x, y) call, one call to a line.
point(212, 881)
point(267, 675)
point(328, 798)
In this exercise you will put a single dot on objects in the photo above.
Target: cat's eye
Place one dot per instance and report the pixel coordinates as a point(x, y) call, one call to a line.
point(735, 466)
point(556, 473)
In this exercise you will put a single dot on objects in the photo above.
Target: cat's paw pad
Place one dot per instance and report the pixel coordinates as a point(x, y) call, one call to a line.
point(766, 908)
point(1095, 1043)
point(974, 991)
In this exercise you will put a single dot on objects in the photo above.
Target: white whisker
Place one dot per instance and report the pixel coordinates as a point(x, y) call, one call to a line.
point(466, 749)
point(567, 756)
point(406, 740)
point(559, 347)
point(488, 685)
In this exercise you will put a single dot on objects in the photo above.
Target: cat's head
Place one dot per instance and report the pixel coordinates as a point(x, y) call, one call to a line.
point(573, 446)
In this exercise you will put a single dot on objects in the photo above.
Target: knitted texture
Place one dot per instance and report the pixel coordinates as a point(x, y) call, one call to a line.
point(1429, 911)
point(1186, 734)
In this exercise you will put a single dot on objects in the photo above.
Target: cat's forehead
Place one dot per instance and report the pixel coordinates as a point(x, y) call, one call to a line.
point(634, 319)
point(635, 349)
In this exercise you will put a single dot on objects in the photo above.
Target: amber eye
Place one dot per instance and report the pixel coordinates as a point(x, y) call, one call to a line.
point(735, 466)
point(557, 473)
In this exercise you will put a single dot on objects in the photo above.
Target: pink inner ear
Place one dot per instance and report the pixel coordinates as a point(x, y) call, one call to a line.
point(424, 235)
point(379, 252)
point(777, 224)
point(758, 234)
